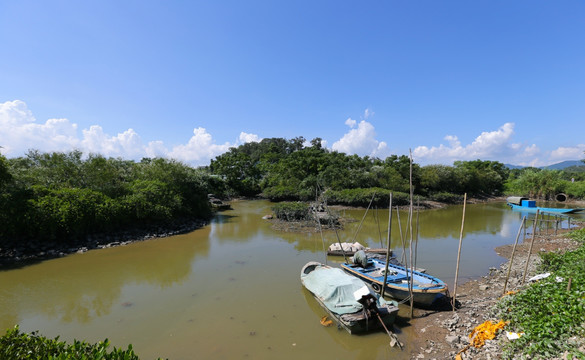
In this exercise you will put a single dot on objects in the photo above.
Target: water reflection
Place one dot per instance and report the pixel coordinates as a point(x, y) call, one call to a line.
point(82, 287)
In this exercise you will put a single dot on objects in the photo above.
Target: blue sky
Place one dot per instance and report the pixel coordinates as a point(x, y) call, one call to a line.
point(449, 80)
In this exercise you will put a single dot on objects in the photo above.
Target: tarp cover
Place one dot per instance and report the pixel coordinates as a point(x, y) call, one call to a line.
point(335, 288)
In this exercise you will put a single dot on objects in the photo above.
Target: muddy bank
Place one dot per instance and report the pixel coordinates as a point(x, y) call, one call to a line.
point(441, 335)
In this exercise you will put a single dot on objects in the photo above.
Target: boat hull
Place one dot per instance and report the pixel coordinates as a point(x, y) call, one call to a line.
point(529, 209)
point(354, 322)
point(428, 291)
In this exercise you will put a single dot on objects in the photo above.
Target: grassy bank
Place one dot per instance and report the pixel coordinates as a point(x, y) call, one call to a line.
point(551, 312)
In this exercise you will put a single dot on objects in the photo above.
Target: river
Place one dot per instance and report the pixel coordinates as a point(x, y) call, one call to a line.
point(231, 290)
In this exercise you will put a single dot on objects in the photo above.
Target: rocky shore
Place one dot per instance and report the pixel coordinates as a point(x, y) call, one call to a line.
point(442, 335)
point(19, 254)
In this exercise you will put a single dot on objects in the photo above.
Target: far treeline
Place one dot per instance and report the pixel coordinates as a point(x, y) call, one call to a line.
point(65, 197)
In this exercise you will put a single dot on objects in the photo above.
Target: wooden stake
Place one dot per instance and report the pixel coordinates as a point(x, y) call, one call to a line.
point(338, 240)
point(403, 257)
point(410, 212)
point(366, 213)
point(512, 257)
point(388, 248)
point(531, 245)
point(319, 222)
point(569, 284)
point(459, 253)
point(378, 223)
point(417, 230)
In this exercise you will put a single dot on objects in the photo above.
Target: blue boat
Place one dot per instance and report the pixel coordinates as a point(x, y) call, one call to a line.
point(523, 204)
point(347, 299)
point(428, 291)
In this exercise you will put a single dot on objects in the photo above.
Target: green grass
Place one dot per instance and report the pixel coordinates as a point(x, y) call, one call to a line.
point(551, 316)
point(16, 345)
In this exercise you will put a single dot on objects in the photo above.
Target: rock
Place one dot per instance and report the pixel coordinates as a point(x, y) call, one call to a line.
point(483, 287)
point(452, 339)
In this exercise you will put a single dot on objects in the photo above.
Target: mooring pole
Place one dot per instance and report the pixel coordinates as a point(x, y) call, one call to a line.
point(512, 257)
point(388, 248)
point(459, 252)
point(410, 214)
point(531, 245)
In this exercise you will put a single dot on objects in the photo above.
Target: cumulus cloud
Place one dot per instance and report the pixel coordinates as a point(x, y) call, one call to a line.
point(361, 139)
point(20, 131)
point(488, 145)
point(247, 138)
point(199, 149)
point(126, 144)
point(564, 153)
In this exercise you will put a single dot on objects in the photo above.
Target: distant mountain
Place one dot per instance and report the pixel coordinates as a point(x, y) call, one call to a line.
point(564, 164)
point(559, 166)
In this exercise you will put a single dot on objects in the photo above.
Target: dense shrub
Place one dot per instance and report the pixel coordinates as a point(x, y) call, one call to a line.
point(447, 198)
point(362, 197)
point(281, 193)
point(65, 198)
point(292, 211)
point(16, 345)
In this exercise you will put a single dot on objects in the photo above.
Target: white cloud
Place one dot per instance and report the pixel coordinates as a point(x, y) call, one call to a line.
point(20, 132)
point(568, 153)
point(200, 148)
point(350, 122)
point(247, 138)
point(127, 144)
point(368, 113)
point(361, 140)
point(488, 145)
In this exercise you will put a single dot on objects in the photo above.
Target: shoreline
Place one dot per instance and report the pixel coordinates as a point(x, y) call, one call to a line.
point(443, 334)
point(33, 252)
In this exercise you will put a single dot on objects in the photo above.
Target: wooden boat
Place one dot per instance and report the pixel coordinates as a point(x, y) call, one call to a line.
point(428, 291)
point(524, 204)
point(347, 299)
point(350, 249)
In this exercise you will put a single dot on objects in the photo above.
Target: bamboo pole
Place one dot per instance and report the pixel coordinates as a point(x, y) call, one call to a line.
point(410, 212)
point(363, 218)
point(403, 257)
point(512, 257)
point(388, 248)
point(320, 228)
point(459, 252)
point(531, 245)
point(417, 230)
point(378, 223)
point(337, 235)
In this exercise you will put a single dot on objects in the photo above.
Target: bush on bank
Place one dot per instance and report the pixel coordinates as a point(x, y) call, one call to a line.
point(292, 211)
point(362, 197)
point(62, 197)
point(16, 345)
point(550, 315)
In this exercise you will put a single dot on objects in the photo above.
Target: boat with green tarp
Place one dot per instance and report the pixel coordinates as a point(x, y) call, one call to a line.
point(347, 299)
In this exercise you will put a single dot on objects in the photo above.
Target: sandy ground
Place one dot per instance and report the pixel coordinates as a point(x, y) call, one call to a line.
point(441, 335)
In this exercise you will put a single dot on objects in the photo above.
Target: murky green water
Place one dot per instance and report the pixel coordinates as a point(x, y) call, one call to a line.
point(231, 290)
